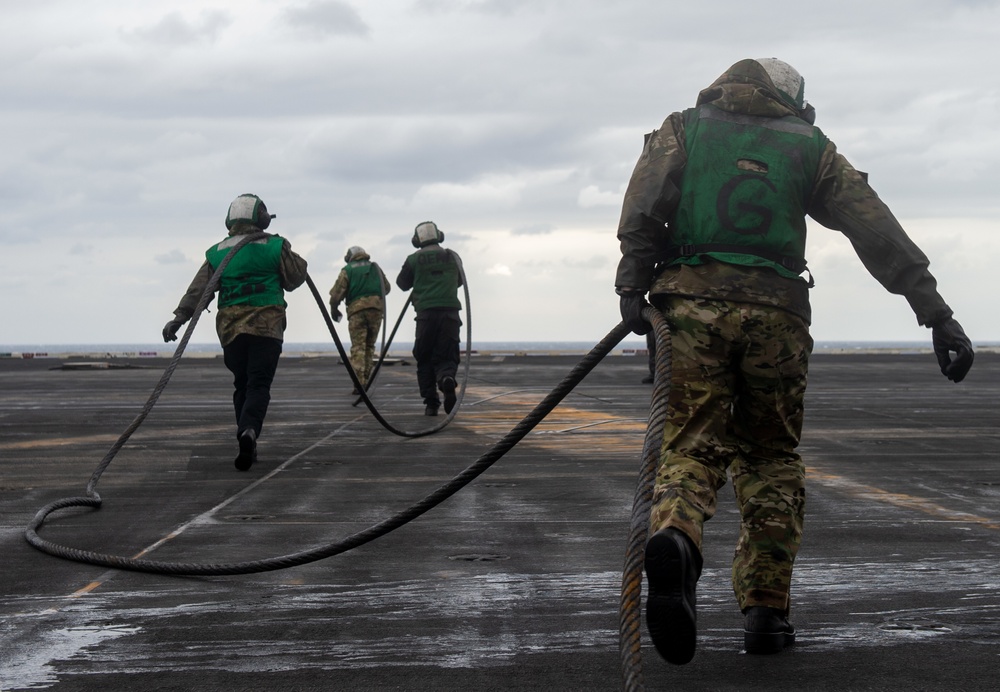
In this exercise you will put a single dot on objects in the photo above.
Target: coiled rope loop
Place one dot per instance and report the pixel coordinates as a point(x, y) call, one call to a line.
point(433, 499)
point(364, 391)
point(629, 607)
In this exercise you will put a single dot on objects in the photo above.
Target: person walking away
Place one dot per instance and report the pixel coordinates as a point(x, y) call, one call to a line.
point(362, 286)
point(250, 319)
point(719, 196)
point(435, 275)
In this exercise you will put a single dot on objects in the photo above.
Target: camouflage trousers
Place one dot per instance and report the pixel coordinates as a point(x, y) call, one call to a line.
point(739, 378)
point(364, 326)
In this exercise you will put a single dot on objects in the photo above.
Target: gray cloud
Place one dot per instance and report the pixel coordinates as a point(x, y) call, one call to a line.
point(129, 127)
point(493, 7)
point(174, 30)
point(592, 262)
point(533, 229)
point(323, 18)
point(173, 257)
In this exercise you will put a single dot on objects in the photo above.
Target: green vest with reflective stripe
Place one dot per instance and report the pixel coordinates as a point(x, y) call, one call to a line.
point(363, 279)
point(435, 278)
point(253, 275)
point(745, 190)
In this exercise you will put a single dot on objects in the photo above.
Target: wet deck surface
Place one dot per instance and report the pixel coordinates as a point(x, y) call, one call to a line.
point(511, 584)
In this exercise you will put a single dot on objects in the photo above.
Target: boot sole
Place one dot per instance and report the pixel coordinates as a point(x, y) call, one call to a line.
point(669, 617)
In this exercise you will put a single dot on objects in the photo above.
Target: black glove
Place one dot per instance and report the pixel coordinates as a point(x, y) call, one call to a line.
point(170, 330)
point(335, 314)
point(947, 335)
point(632, 304)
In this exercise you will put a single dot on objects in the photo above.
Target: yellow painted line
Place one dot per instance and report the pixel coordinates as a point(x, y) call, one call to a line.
point(85, 590)
point(98, 439)
point(107, 438)
point(920, 504)
point(95, 584)
point(628, 433)
point(59, 442)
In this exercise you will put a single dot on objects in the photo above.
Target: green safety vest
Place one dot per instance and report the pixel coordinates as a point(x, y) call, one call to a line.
point(252, 276)
point(435, 278)
point(746, 188)
point(363, 279)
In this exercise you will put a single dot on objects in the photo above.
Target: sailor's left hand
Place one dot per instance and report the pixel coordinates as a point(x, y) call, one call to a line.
point(948, 336)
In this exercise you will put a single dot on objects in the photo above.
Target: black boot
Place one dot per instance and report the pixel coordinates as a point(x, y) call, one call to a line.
point(447, 386)
point(673, 566)
point(766, 630)
point(248, 450)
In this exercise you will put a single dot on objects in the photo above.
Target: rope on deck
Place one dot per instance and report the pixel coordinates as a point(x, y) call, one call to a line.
point(631, 593)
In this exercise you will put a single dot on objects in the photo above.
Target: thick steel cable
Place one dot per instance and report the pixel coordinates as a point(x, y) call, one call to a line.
point(93, 499)
point(206, 297)
point(430, 501)
point(364, 394)
point(630, 603)
point(629, 610)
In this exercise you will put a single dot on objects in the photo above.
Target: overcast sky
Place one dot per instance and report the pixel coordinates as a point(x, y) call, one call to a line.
point(128, 127)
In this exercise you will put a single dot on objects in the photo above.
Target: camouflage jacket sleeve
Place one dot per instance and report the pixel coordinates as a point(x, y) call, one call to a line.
point(194, 292)
point(293, 267)
point(339, 289)
point(843, 200)
point(650, 201)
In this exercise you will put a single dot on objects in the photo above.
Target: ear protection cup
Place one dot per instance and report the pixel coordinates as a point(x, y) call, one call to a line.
point(808, 113)
point(263, 219)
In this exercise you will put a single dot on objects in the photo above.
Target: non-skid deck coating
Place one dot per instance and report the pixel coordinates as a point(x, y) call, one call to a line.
point(513, 584)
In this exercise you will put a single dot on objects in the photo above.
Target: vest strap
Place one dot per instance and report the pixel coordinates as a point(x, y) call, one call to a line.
point(795, 264)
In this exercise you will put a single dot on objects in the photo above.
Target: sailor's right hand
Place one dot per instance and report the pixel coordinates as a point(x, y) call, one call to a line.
point(336, 315)
point(170, 330)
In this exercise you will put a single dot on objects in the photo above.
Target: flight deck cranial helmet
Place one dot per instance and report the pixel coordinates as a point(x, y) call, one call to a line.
point(787, 80)
point(354, 251)
point(249, 209)
point(426, 233)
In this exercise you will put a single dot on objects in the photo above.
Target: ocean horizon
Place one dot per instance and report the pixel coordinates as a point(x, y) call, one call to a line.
point(626, 347)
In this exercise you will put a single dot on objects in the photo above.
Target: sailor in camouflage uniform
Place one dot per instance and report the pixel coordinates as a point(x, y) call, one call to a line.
point(250, 320)
point(362, 286)
point(713, 227)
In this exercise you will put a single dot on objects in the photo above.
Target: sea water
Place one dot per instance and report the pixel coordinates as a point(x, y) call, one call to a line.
point(626, 347)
